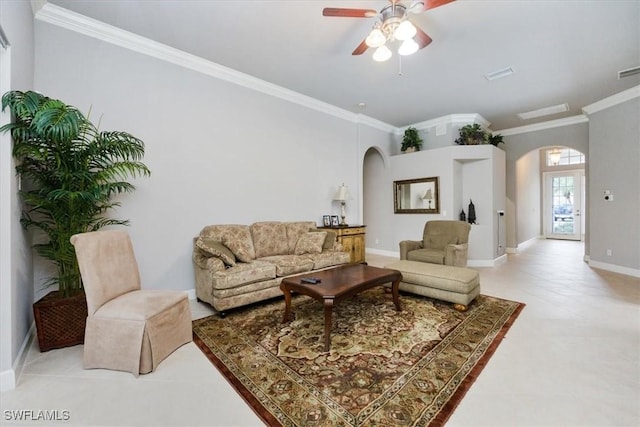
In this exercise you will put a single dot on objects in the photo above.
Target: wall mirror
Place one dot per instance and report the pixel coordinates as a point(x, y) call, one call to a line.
point(421, 195)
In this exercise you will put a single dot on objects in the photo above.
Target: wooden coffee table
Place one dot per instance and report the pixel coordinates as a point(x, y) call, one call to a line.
point(337, 284)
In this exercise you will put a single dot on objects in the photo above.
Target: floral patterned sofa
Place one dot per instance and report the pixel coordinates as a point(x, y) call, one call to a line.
point(236, 265)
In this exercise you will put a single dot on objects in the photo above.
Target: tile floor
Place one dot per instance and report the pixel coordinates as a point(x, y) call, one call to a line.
point(571, 359)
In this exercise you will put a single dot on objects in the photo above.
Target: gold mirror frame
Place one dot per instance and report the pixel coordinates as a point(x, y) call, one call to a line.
point(421, 196)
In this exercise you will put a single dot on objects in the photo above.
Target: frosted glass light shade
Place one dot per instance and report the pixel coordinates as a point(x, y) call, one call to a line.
point(375, 38)
point(408, 47)
point(405, 31)
point(382, 54)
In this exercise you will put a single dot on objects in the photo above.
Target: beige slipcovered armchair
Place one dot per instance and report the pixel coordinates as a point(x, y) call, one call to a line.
point(443, 242)
point(128, 329)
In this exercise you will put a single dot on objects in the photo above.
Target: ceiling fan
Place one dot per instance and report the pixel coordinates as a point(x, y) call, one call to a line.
point(393, 25)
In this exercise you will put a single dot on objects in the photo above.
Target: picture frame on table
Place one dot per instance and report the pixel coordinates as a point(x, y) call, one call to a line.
point(326, 220)
point(334, 220)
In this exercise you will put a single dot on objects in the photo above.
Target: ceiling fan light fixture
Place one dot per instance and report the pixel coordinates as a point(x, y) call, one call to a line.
point(408, 47)
point(382, 54)
point(375, 38)
point(404, 31)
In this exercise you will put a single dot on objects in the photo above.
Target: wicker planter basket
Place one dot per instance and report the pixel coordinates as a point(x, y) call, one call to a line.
point(60, 322)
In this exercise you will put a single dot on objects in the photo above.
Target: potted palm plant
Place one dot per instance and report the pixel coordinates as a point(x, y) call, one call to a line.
point(70, 172)
point(411, 140)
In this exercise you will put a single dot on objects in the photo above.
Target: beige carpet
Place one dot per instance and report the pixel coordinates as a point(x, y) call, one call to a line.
point(385, 368)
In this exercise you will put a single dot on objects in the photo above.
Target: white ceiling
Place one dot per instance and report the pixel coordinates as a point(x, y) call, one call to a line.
point(561, 51)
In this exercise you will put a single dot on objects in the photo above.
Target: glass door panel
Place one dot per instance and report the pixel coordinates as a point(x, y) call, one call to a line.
point(563, 205)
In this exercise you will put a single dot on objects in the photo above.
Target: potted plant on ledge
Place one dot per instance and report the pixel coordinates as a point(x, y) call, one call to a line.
point(473, 134)
point(411, 140)
point(70, 172)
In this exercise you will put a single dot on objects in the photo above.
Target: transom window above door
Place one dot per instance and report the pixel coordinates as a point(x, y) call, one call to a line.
point(562, 156)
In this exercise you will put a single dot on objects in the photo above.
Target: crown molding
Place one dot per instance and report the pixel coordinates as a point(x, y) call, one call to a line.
point(451, 119)
point(567, 121)
point(613, 100)
point(36, 5)
point(90, 27)
point(375, 123)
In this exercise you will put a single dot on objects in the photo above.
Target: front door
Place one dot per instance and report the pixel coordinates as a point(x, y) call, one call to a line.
point(563, 205)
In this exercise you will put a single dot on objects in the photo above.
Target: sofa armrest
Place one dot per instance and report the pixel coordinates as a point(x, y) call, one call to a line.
point(337, 247)
point(211, 264)
point(456, 255)
point(409, 245)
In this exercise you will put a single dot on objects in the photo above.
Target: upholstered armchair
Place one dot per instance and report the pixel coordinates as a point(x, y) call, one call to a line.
point(128, 329)
point(443, 242)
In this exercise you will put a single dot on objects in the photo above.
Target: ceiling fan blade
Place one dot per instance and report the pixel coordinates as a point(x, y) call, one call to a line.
point(349, 13)
point(421, 38)
point(431, 4)
point(362, 47)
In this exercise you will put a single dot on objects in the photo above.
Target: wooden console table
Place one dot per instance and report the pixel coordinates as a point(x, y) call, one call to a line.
point(352, 239)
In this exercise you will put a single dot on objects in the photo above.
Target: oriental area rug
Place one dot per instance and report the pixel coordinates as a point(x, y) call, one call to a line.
point(384, 368)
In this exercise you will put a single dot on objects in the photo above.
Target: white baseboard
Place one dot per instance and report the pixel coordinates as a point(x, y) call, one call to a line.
point(523, 245)
point(614, 268)
point(470, 263)
point(487, 262)
point(191, 294)
point(9, 378)
point(382, 252)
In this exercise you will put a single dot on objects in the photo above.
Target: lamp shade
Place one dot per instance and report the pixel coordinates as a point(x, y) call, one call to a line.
point(555, 155)
point(408, 47)
point(342, 194)
point(405, 31)
point(382, 54)
point(428, 195)
point(375, 38)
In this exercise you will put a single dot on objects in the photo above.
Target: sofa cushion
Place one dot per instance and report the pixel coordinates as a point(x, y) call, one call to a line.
point(243, 274)
point(211, 247)
point(329, 258)
point(433, 256)
point(289, 264)
point(440, 240)
point(330, 240)
point(269, 238)
point(240, 242)
point(295, 230)
point(310, 243)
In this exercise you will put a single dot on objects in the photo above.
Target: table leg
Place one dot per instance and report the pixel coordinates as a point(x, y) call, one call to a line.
point(328, 310)
point(395, 293)
point(287, 302)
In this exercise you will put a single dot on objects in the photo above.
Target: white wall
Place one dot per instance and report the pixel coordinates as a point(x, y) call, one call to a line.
point(464, 172)
point(528, 197)
point(218, 152)
point(614, 150)
point(16, 290)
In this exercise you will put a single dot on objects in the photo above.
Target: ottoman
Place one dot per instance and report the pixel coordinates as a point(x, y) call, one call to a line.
point(458, 285)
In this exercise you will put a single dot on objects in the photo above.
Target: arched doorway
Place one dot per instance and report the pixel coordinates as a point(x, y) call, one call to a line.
point(550, 189)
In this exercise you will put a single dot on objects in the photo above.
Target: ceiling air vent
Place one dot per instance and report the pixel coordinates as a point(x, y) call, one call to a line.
point(498, 74)
point(628, 72)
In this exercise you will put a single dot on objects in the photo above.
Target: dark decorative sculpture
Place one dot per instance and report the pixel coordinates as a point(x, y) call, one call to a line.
point(472, 212)
point(463, 216)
